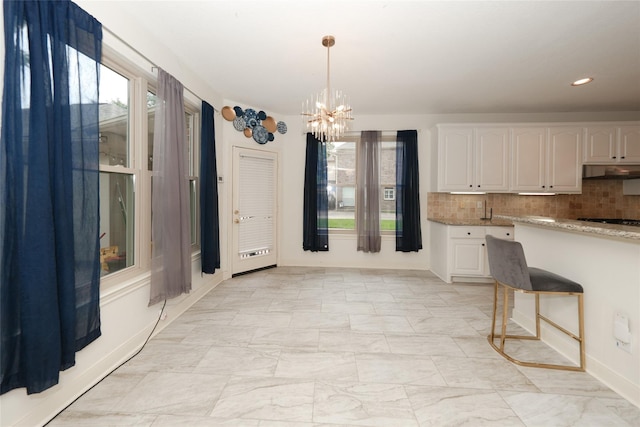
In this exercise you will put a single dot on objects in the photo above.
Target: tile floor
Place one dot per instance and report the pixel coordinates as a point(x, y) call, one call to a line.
point(340, 347)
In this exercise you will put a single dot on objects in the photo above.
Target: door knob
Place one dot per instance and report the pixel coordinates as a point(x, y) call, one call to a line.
point(237, 221)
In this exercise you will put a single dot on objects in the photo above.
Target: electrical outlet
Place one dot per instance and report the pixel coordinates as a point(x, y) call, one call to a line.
point(626, 346)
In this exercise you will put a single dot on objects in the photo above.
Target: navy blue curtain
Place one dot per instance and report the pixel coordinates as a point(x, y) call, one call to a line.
point(408, 230)
point(49, 191)
point(209, 219)
point(315, 233)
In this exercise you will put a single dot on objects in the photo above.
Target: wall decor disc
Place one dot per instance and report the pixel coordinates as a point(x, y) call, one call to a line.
point(260, 134)
point(270, 124)
point(238, 111)
point(282, 127)
point(238, 124)
point(248, 132)
point(228, 113)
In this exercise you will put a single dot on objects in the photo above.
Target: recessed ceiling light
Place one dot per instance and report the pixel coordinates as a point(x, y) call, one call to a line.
point(582, 81)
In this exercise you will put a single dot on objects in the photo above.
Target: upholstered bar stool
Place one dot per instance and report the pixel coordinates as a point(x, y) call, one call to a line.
point(509, 268)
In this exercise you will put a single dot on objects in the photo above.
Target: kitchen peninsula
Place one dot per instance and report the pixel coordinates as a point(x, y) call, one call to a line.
point(605, 260)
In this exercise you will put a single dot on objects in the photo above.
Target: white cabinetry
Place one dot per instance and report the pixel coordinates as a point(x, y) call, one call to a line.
point(473, 158)
point(459, 252)
point(546, 159)
point(611, 143)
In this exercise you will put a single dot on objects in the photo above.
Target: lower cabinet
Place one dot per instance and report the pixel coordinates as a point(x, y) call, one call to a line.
point(458, 252)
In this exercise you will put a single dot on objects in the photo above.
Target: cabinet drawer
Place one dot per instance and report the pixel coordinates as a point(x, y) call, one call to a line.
point(457, 232)
point(500, 232)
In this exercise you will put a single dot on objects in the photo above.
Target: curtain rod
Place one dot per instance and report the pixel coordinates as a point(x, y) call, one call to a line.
point(154, 66)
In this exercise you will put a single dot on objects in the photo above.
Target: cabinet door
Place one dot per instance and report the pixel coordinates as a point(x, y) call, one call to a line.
point(600, 144)
point(564, 170)
point(455, 159)
point(468, 257)
point(629, 144)
point(492, 159)
point(528, 167)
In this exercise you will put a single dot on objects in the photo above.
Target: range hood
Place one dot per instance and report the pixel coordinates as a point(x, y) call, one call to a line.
point(611, 172)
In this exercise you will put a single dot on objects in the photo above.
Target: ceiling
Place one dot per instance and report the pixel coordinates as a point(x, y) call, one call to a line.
point(408, 57)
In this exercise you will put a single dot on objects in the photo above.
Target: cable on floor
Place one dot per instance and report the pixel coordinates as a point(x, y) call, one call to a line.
point(117, 367)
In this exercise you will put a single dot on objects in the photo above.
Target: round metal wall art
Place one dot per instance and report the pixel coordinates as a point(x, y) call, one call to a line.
point(254, 124)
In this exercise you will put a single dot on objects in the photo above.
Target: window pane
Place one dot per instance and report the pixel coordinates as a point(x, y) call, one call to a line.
point(388, 184)
point(116, 221)
point(341, 183)
point(151, 112)
point(114, 118)
point(193, 206)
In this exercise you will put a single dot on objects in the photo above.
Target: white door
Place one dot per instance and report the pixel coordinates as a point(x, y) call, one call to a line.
point(254, 209)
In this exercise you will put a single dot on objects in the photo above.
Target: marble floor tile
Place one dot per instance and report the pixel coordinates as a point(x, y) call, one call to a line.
point(173, 393)
point(239, 361)
point(272, 320)
point(266, 399)
point(313, 320)
point(317, 365)
point(356, 342)
point(451, 406)
point(316, 347)
point(496, 374)
point(102, 419)
point(442, 326)
point(286, 338)
point(543, 409)
point(362, 405)
point(378, 323)
point(426, 345)
point(348, 307)
point(398, 369)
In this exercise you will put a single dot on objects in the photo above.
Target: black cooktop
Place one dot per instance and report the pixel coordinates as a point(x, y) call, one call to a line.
point(621, 221)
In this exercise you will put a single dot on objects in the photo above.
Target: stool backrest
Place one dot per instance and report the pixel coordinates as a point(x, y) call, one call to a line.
point(507, 263)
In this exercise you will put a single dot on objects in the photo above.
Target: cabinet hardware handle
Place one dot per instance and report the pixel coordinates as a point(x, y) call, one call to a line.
point(470, 185)
point(551, 186)
point(468, 233)
point(483, 244)
point(613, 157)
point(622, 157)
point(543, 186)
point(478, 186)
point(508, 234)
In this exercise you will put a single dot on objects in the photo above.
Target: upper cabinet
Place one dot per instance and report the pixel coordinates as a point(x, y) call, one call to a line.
point(473, 158)
point(606, 144)
point(546, 159)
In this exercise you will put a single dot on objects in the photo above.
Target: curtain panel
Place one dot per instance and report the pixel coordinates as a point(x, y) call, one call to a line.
point(368, 191)
point(209, 214)
point(408, 229)
point(170, 223)
point(49, 191)
point(315, 233)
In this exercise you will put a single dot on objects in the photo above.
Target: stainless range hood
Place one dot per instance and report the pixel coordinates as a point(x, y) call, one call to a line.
point(611, 172)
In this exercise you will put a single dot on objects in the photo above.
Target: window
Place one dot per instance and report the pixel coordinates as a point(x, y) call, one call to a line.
point(117, 177)
point(389, 193)
point(341, 183)
point(127, 112)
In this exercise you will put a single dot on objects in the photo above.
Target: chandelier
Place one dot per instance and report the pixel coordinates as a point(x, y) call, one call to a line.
point(327, 113)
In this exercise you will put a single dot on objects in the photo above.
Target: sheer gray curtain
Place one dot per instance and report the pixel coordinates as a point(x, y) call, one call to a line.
point(170, 224)
point(368, 196)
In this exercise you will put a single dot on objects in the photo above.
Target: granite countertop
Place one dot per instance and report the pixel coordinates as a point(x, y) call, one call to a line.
point(610, 230)
point(495, 222)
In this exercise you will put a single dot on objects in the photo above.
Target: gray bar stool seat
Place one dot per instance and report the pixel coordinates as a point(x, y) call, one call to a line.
point(509, 268)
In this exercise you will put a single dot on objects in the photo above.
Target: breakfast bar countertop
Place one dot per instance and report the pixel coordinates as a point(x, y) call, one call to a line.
point(607, 230)
point(495, 222)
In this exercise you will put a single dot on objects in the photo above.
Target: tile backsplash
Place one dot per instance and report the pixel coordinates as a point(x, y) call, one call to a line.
point(599, 198)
